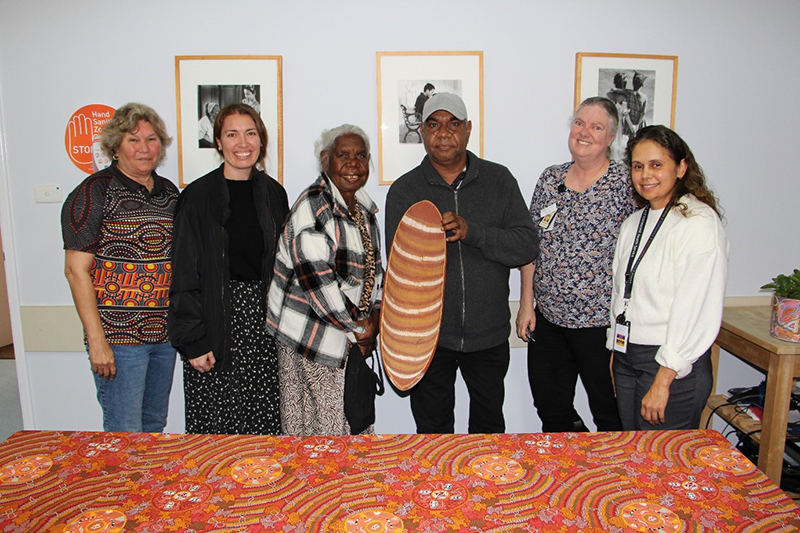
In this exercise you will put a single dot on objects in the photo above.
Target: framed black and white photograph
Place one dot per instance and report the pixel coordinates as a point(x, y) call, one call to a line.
point(643, 87)
point(405, 81)
point(204, 85)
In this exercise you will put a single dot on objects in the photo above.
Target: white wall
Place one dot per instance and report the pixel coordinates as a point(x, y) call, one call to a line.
point(6, 337)
point(739, 65)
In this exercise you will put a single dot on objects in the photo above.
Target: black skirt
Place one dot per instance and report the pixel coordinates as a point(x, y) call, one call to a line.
point(244, 398)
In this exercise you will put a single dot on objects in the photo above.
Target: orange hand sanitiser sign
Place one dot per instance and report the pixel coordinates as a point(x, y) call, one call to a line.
point(82, 137)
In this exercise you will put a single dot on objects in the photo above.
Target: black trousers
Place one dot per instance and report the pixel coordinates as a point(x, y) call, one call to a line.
point(433, 399)
point(555, 361)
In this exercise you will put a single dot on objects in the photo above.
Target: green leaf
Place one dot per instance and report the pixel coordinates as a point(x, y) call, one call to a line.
point(785, 286)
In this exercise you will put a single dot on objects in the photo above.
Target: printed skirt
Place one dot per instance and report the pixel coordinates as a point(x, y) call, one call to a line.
point(312, 394)
point(245, 397)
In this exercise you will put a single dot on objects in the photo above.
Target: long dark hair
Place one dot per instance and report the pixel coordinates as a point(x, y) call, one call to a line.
point(693, 181)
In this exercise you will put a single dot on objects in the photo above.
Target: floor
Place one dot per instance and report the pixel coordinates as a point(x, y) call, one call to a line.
point(10, 410)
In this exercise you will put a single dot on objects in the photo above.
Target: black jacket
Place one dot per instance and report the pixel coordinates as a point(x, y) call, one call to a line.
point(199, 308)
point(500, 236)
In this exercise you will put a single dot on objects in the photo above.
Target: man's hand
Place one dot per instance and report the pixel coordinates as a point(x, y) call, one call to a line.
point(456, 224)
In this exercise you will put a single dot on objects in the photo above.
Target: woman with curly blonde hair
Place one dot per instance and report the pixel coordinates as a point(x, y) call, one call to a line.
point(117, 231)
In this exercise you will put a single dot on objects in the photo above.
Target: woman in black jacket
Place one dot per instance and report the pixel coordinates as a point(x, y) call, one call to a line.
point(227, 225)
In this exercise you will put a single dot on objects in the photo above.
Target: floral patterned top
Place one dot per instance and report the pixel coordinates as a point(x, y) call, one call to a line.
point(572, 283)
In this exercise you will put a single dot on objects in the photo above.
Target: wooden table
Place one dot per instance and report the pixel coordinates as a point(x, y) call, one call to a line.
point(745, 334)
point(665, 481)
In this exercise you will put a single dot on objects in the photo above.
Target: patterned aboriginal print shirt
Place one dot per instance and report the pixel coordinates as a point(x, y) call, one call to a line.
point(573, 282)
point(129, 231)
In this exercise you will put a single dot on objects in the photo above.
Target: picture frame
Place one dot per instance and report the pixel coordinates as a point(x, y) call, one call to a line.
point(643, 87)
point(201, 82)
point(402, 79)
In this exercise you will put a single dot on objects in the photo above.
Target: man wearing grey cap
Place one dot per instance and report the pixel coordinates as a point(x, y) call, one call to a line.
point(488, 231)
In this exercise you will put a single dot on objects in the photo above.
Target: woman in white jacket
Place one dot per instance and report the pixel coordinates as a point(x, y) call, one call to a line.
point(670, 269)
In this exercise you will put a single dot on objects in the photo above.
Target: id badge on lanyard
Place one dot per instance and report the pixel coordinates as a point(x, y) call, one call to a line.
point(622, 326)
point(622, 331)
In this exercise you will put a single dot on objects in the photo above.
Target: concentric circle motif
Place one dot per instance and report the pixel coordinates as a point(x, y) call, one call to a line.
point(644, 516)
point(107, 445)
point(25, 469)
point(694, 487)
point(440, 495)
point(256, 471)
point(497, 468)
point(102, 521)
point(321, 447)
point(129, 267)
point(150, 267)
point(544, 444)
point(112, 287)
point(146, 286)
point(108, 265)
point(725, 460)
point(373, 522)
point(182, 496)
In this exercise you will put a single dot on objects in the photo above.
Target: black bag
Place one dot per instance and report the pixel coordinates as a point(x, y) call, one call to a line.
point(361, 384)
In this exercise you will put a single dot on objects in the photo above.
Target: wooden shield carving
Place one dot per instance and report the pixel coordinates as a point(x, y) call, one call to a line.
point(413, 294)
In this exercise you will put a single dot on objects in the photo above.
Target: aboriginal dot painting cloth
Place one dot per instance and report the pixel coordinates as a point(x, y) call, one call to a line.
point(655, 481)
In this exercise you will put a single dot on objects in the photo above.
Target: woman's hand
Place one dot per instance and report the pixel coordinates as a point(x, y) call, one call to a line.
point(526, 316)
point(204, 363)
point(101, 357)
point(655, 401)
point(526, 322)
point(78, 270)
point(371, 325)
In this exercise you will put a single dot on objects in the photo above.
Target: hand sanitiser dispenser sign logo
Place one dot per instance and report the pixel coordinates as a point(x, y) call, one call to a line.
point(82, 137)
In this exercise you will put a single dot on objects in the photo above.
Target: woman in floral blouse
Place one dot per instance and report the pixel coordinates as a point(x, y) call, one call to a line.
point(578, 207)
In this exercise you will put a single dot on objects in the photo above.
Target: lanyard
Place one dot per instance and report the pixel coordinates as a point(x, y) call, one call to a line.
point(630, 272)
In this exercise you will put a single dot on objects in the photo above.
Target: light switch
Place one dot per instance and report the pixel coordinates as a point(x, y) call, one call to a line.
point(47, 193)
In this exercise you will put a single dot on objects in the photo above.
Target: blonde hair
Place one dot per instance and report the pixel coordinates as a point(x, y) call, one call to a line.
point(126, 120)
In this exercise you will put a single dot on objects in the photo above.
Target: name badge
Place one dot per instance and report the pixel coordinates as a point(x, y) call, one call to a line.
point(621, 335)
point(548, 214)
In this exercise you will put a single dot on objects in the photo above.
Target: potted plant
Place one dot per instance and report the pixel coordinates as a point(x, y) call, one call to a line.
point(785, 324)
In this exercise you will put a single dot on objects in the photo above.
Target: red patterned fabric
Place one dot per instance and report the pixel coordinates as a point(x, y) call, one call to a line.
point(129, 232)
point(637, 481)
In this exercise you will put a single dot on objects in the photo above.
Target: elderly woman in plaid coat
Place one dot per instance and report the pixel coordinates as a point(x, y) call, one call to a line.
point(324, 300)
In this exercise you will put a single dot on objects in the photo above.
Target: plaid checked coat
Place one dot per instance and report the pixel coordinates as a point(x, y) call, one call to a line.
point(319, 275)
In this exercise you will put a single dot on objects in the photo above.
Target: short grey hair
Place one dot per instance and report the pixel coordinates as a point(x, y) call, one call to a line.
point(328, 139)
point(606, 105)
point(126, 120)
